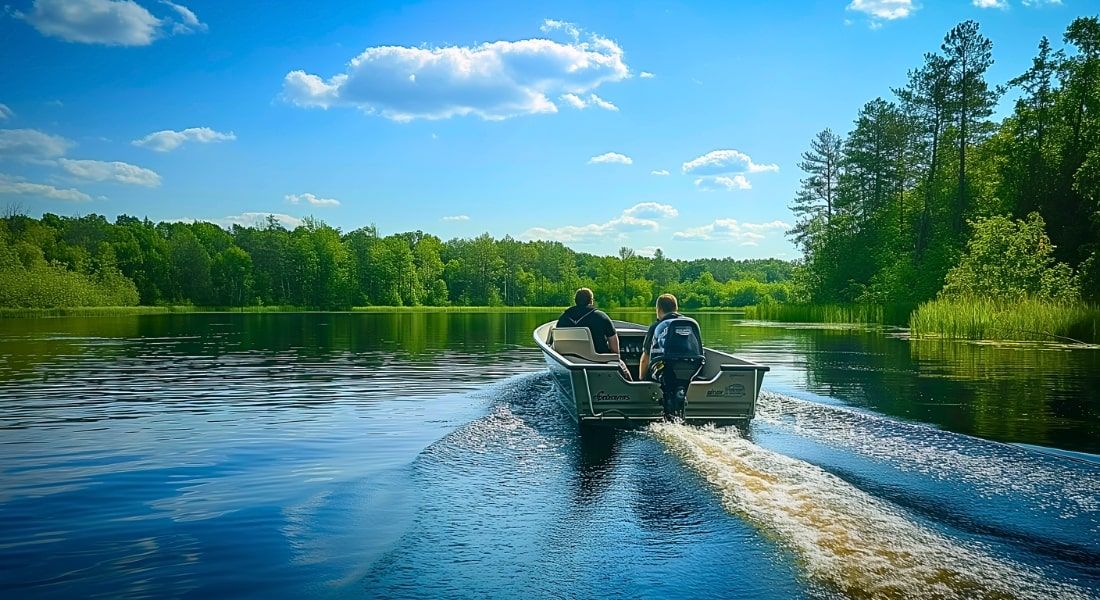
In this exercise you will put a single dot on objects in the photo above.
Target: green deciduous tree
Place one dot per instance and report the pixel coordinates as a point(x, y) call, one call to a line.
point(1009, 259)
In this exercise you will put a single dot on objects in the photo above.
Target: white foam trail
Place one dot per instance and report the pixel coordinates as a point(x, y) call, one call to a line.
point(998, 469)
point(846, 539)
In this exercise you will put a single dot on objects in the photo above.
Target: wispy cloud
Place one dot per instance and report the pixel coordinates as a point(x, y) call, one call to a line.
point(551, 25)
point(748, 234)
point(495, 80)
point(659, 172)
point(31, 145)
point(14, 186)
point(5, 112)
point(1001, 4)
point(188, 21)
point(592, 100)
point(640, 217)
point(168, 140)
point(646, 75)
point(107, 22)
point(611, 158)
point(311, 199)
point(116, 171)
point(453, 218)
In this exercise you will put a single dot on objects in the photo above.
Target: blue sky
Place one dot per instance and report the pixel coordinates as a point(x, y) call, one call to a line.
point(461, 118)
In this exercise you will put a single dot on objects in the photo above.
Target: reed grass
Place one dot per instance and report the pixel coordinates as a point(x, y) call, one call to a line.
point(831, 313)
point(1028, 320)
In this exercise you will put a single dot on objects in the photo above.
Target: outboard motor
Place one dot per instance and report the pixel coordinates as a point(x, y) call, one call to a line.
point(675, 359)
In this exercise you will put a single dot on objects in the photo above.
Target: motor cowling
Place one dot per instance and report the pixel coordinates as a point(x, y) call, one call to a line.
point(676, 357)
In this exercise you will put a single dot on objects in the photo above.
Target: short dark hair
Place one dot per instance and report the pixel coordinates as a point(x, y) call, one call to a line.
point(666, 303)
point(584, 297)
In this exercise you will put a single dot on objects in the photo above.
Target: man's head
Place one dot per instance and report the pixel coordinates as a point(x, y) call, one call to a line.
point(666, 303)
point(583, 297)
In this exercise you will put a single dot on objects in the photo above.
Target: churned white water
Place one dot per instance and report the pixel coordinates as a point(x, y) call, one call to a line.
point(845, 539)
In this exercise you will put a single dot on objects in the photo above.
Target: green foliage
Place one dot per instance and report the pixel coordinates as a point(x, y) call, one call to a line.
point(914, 172)
point(87, 261)
point(1008, 260)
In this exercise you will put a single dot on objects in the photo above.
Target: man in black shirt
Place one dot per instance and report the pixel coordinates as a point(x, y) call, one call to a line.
point(583, 314)
point(667, 308)
point(605, 340)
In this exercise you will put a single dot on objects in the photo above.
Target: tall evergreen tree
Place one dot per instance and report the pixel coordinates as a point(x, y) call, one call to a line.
point(969, 55)
point(815, 201)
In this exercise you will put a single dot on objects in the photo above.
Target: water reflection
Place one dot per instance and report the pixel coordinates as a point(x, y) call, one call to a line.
point(1043, 395)
point(418, 454)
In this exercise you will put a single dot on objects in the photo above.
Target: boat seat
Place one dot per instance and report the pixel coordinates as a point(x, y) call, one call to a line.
point(577, 342)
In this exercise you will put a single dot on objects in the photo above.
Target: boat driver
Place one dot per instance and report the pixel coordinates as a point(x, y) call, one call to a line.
point(667, 307)
point(583, 313)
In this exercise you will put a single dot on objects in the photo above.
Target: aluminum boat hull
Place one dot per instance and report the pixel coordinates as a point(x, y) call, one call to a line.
point(725, 391)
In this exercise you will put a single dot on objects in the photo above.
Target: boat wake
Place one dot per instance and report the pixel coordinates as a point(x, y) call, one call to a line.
point(846, 539)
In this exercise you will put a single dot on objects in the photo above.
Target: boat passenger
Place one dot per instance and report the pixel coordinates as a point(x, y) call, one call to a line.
point(583, 313)
point(667, 307)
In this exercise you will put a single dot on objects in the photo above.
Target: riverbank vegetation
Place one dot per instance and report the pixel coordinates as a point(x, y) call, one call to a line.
point(57, 261)
point(928, 199)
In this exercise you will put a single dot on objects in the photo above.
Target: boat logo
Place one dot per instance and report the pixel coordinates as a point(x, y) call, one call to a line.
point(732, 391)
point(605, 397)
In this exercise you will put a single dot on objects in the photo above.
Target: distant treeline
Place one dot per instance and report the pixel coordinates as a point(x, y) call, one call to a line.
point(928, 196)
point(60, 261)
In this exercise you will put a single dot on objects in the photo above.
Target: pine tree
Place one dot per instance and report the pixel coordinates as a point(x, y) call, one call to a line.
point(969, 55)
point(815, 203)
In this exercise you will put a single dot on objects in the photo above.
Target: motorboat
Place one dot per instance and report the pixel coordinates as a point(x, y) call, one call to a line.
point(594, 390)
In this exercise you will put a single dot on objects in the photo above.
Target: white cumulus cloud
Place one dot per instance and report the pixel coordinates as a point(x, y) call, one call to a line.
point(611, 158)
point(255, 219)
point(646, 75)
point(5, 112)
point(748, 234)
point(640, 217)
point(453, 218)
point(107, 22)
point(651, 209)
point(117, 171)
point(311, 199)
point(13, 186)
point(495, 80)
point(722, 182)
point(883, 10)
point(31, 145)
point(1002, 4)
point(574, 100)
point(719, 162)
point(659, 172)
point(724, 170)
point(168, 140)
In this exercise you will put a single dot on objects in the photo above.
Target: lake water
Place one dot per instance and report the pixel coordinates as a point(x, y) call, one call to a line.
point(424, 455)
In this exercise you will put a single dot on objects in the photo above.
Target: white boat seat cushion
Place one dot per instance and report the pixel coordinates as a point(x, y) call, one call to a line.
point(577, 342)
